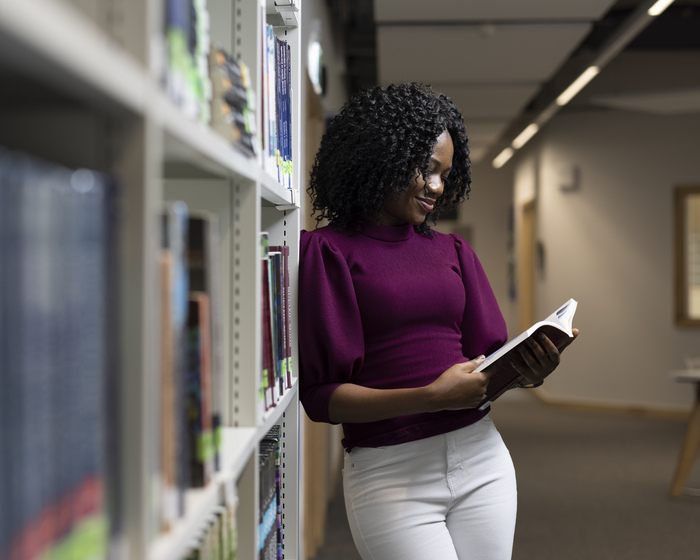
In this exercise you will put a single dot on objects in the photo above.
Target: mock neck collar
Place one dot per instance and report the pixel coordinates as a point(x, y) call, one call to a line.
point(387, 233)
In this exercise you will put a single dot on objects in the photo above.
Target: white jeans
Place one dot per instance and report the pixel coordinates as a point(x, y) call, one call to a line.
point(448, 497)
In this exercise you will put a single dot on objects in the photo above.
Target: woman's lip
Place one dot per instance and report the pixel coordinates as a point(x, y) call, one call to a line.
point(427, 204)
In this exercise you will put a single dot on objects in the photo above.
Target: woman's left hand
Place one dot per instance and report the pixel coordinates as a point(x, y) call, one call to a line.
point(541, 357)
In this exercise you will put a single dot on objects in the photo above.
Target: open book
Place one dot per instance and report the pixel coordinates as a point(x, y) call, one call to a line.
point(557, 327)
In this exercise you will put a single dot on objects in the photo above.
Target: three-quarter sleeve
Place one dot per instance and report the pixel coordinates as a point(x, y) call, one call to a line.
point(483, 327)
point(331, 343)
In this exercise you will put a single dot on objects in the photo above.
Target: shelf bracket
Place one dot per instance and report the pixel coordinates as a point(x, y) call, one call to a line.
point(284, 207)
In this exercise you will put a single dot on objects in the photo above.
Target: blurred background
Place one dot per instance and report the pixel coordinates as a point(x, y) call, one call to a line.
point(584, 193)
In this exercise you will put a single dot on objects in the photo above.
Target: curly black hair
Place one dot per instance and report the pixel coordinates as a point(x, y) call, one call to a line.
point(373, 147)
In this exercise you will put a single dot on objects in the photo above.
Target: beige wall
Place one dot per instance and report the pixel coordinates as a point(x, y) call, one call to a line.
point(609, 245)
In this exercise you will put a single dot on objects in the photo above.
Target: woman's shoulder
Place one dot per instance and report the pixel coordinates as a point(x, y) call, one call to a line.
point(323, 240)
point(326, 235)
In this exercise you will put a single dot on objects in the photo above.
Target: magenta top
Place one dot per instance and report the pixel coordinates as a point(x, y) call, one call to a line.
point(389, 308)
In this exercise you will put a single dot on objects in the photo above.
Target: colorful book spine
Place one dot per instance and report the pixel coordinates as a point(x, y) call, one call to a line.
point(57, 316)
point(175, 302)
point(277, 104)
point(270, 527)
point(267, 381)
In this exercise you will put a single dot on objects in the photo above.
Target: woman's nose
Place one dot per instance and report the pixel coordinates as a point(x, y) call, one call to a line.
point(434, 185)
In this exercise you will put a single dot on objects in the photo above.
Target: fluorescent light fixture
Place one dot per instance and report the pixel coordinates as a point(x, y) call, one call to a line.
point(501, 159)
point(659, 7)
point(524, 136)
point(578, 84)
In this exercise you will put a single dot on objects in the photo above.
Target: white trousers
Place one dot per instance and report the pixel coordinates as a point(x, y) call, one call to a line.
point(448, 497)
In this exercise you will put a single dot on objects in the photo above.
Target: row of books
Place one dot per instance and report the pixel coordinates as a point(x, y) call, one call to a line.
point(277, 107)
point(191, 361)
point(214, 88)
point(233, 101)
point(270, 534)
point(58, 366)
point(218, 539)
point(276, 374)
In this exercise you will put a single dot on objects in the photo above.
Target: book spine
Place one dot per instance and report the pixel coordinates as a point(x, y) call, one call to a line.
point(286, 328)
point(268, 360)
point(54, 356)
point(277, 320)
point(198, 398)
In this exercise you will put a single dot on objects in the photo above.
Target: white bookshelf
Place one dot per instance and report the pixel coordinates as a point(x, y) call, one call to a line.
point(81, 88)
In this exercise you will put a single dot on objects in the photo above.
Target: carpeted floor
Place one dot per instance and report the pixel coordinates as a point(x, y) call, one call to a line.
point(590, 487)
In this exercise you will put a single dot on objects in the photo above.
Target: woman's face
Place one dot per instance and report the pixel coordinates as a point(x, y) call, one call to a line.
point(412, 206)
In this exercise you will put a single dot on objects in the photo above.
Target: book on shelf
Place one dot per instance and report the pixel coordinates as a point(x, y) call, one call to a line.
point(218, 538)
point(204, 262)
point(174, 308)
point(232, 101)
point(276, 86)
point(57, 312)
point(284, 319)
point(186, 46)
point(277, 321)
point(267, 380)
point(198, 391)
point(270, 534)
point(504, 375)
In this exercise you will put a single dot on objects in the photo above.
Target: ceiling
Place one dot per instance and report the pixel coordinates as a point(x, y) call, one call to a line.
point(503, 62)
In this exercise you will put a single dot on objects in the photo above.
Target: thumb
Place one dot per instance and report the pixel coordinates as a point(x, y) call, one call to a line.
point(474, 363)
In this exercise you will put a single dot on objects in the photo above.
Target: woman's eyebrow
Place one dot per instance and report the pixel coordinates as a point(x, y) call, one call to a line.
point(436, 161)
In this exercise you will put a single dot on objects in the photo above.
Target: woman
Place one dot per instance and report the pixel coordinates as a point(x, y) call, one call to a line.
point(393, 319)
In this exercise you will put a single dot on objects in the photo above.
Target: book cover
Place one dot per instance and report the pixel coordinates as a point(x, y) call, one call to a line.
point(55, 350)
point(558, 327)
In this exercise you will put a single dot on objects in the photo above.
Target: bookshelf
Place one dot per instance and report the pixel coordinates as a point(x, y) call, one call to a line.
point(83, 88)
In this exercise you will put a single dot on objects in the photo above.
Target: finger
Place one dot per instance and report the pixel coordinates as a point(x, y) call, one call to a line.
point(474, 363)
point(542, 355)
point(569, 340)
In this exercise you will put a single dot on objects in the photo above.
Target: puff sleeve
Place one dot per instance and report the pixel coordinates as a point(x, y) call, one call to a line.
point(483, 327)
point(331, 343)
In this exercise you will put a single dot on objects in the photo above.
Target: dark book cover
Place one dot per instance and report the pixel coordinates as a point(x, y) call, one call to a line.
point(198, 391)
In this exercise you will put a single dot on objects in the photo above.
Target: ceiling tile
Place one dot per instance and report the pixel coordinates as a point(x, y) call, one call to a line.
point(489, 101)
point(466, 54)
point(488, 10)
point(485, 133)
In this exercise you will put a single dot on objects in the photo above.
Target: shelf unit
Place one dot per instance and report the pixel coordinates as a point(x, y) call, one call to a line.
point(81, 87)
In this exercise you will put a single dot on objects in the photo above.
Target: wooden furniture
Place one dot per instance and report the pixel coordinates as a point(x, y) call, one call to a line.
point(691, 443)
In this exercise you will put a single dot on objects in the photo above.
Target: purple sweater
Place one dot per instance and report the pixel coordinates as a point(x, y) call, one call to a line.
point(390, 308)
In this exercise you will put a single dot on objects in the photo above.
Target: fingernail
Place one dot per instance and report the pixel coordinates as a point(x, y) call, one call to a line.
point(481, 358)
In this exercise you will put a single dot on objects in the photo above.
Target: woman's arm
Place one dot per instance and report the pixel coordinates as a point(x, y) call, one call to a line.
point(455, 389)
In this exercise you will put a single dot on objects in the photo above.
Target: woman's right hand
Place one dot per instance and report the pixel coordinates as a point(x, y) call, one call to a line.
point(458, 387)
point(455, 389)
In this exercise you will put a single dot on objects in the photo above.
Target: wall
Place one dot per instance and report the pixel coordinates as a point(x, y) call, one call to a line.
point(484, 220)
point(609, 245)
point(317, 22)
